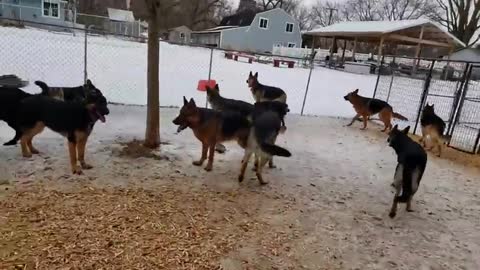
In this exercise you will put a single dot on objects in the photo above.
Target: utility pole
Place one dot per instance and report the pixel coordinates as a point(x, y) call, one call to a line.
point(331, 14)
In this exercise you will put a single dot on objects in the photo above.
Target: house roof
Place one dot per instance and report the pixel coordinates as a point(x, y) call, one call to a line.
point(120, 15)
point(217, 29)
point(242, 18)
point(433, 31)
point(180, 28)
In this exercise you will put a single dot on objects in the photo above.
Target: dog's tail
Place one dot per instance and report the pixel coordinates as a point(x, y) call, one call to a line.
point(399, 116)
point(43, 86)
point(275, 150)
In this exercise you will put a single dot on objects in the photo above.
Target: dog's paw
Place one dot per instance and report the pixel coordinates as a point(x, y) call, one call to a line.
point(272, 166)
point(86, 166)
point(240, 178)
point(27, 155)
point(77, 170)
point(208, 168)
point(392, 214)
point(410, 210)
point(197, 163)
point(35, 151)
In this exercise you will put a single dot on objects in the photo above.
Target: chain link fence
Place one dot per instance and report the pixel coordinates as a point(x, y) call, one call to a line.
point(408, 84)
point(117, 64)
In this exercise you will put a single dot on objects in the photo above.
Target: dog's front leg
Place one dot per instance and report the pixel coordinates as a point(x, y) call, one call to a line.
point(81, 144)
point(204, 155)
point(354, 119)
point(72, 150)
point(211, 154)
point(261, 163)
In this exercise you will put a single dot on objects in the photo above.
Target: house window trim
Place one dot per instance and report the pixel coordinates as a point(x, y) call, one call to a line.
point(54, 2)
point(182, 35)
point(260, 23)
point(286, 27)
point(292, 43)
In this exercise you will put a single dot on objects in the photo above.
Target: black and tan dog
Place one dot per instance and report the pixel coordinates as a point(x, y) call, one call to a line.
point(219, 103)
point(78, 93)
point(433, 128)
point(211, 127)
point(412, 161)
point(266, 124)
point(10, 97)
point(366, 107)
point(72, 119)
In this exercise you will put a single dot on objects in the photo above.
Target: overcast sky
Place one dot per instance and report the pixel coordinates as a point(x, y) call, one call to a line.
point(307, 2)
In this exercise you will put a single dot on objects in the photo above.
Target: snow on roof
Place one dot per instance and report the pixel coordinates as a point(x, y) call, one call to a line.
point(376, 28)
point(120, 15)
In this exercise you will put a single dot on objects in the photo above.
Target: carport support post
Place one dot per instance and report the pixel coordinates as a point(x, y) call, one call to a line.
point(380, 51)
point(418, 50)
point(209, 74)
point(424, 95)
point(330, 60)
point(344, 48)
point(354, 49)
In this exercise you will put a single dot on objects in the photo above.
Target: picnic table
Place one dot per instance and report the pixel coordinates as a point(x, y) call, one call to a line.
point(235, 56)
point(277, 62)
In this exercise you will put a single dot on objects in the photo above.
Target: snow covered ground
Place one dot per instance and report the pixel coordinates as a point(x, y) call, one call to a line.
point(118, 68)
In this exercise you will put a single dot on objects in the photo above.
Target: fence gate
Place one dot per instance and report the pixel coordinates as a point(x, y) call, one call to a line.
point(466, 131)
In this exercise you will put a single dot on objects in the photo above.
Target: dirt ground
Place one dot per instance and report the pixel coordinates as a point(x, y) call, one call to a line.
point(326, 207)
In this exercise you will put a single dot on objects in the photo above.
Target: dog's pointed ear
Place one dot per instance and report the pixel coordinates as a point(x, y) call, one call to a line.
point(256, 75)
point(208, 88)
point(356, 91)
point(185, 101)
point(406, 130)
point(395, 127)
point(216, 87)
point(192, 102)
point(251, 74)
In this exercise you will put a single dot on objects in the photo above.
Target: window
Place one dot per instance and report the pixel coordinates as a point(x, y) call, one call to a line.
point(289, 28)
point(51, 8)
point(263, 23)
point(182, 35)
point(291, 45)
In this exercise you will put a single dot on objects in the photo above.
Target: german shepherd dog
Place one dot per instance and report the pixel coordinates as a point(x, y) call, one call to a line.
point(78, 93)
point(366, 107)
point(262, 92)
point(72, 119)
point(433, 128)
point(10, 97)
point(211, 127)
point(412, 161)
point(267, 118)
point(220, 103)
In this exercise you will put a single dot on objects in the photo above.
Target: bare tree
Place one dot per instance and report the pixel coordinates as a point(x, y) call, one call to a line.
point(326, 13)
point(304, 17)
point(155, 10)
point(405, 9)
point(288, 5)
point(461, 17)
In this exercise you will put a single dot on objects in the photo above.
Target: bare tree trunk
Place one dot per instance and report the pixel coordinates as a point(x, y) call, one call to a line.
point(152, 133)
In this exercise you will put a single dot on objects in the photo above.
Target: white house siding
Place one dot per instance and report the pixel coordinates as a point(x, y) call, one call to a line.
point(255, 39)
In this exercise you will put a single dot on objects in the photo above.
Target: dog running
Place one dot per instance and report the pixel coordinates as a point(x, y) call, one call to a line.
point(366, 107)
point(267, 118)
point(212, 127)
point(72, 119)
point(78, 93)
point(219, 103)
point(433, 128)
point(412, 161)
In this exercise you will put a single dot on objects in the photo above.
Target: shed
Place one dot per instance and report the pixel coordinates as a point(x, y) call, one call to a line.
point(419, 33)
point(180, 34)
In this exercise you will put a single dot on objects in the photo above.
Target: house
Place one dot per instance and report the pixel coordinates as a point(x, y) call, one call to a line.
point(180, 34)
point(54, 12)
point(253, 31)
point(468, 55)
point(122, 22)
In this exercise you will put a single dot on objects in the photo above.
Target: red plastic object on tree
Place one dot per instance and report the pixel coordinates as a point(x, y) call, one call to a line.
point(202, 84)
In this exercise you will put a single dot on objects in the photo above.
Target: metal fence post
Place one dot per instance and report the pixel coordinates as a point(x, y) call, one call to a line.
point(424, 95)
point(209, 74)
point(85, 68)
point(308, 85)
point(458, 100)
point(462, 101)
